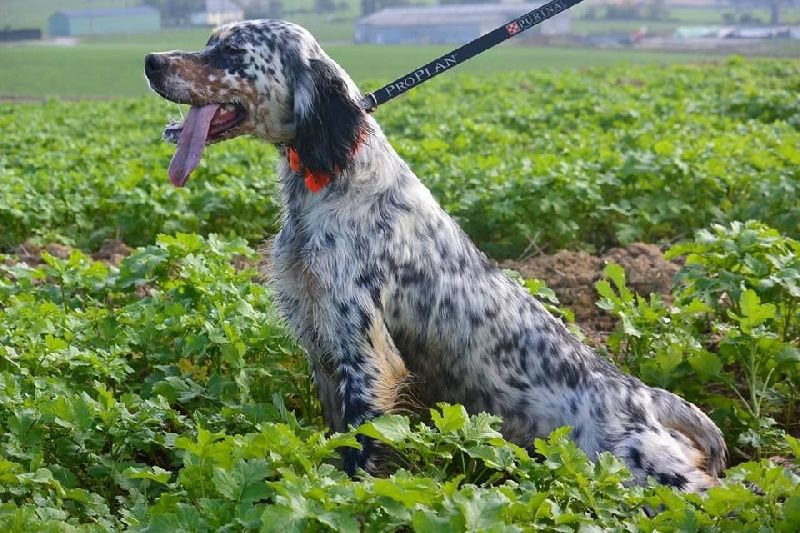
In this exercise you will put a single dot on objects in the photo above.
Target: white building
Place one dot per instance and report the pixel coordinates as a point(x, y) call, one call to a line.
point(449, 23)
point(217, 12)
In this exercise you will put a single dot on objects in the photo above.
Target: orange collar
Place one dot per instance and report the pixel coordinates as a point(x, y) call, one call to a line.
point(316, 180)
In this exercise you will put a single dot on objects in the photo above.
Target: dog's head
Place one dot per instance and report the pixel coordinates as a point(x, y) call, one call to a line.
point(266, 78)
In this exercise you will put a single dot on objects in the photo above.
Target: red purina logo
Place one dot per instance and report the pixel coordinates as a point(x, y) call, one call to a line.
point(513, 28)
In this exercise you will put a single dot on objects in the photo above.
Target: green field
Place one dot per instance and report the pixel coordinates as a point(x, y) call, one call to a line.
point(113, 67)
point(678, 17)
point(154, 388)
point(789, 15)
point(34, 13)
point(339, 25)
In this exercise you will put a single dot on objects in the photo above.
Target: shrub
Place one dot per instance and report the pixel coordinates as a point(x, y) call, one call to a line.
point(729, 337)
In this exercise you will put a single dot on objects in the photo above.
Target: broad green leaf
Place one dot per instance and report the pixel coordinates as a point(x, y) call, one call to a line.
point(409, 491)
point(245, 482)
point(449, 418)
point(387, 428)
point(616, 274)
point(754, 312)
point(428, 521)
point(706, 363)
point(279, 519)
point(791, 514)
point(155, 473)
point(604, 289)
point(794, 445)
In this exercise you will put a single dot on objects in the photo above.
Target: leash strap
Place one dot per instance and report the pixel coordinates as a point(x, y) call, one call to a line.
point(371, 101)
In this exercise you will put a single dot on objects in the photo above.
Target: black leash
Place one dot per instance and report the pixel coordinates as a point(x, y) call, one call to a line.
point(371, 101)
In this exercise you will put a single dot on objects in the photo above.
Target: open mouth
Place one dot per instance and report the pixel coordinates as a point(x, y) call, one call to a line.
point(203, 125)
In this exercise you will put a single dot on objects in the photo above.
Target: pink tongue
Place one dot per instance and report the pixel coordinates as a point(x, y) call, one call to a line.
point(191, 143)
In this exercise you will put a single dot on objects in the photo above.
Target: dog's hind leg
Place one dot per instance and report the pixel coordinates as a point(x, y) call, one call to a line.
point(666, 456)
point(674, 443)
point(686, 422)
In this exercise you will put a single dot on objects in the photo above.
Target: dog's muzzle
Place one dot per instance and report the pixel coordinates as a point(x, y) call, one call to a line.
point(154, 65)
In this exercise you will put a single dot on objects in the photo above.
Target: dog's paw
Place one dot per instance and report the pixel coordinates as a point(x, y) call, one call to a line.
point(354, 460)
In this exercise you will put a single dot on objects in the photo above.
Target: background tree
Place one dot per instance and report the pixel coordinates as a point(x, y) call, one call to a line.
point(775, 7)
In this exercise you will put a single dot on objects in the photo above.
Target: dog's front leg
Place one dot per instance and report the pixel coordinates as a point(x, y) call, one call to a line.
point(371, 374)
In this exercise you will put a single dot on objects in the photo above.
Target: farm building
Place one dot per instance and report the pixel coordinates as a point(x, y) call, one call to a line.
point(448, 23)
point(217, 12)
point(101, 21)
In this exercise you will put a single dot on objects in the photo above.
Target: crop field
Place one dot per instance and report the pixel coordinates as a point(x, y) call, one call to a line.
point(34, 13)
point(340, 25)
point(146, 382)
point(106, 67)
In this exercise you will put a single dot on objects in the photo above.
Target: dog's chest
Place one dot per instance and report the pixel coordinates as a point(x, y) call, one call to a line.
point(294, 282)
point(308, 269)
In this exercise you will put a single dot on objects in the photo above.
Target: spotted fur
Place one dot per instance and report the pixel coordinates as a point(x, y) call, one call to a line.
point(383, 289)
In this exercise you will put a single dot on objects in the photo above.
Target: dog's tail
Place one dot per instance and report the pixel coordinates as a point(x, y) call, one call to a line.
point(677, 414)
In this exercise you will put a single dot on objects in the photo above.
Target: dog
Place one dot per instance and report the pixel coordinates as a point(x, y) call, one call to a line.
point(383, 289)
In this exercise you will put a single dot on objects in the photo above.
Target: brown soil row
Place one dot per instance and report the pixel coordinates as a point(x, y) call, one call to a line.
point(112, 252)
point(572, 275)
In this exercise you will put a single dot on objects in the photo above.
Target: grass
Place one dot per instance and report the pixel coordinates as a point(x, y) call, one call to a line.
point(339, 27)
point(34, 13)
point(112, 66)
point(166, 396)
point(714, 16)
point(598, 26)
point(678, 17)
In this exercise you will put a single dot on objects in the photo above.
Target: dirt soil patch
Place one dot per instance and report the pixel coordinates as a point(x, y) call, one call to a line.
point(572, 275)
point(31, 254)
point(112, 252)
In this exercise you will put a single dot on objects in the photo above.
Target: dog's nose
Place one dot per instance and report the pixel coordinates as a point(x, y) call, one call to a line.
point(154, 63)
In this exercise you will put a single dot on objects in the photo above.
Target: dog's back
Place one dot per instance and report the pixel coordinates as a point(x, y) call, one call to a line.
point(463, 332)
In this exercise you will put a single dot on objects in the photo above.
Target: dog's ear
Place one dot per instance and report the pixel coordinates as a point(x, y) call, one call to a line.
point(328, 121)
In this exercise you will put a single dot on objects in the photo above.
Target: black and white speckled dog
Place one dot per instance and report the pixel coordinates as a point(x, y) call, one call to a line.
point(379, 284)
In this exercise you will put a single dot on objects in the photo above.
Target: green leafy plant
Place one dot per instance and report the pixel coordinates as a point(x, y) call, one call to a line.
point(161, 393)
point(622, 154)
point(725, 262)
point(729, 337)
